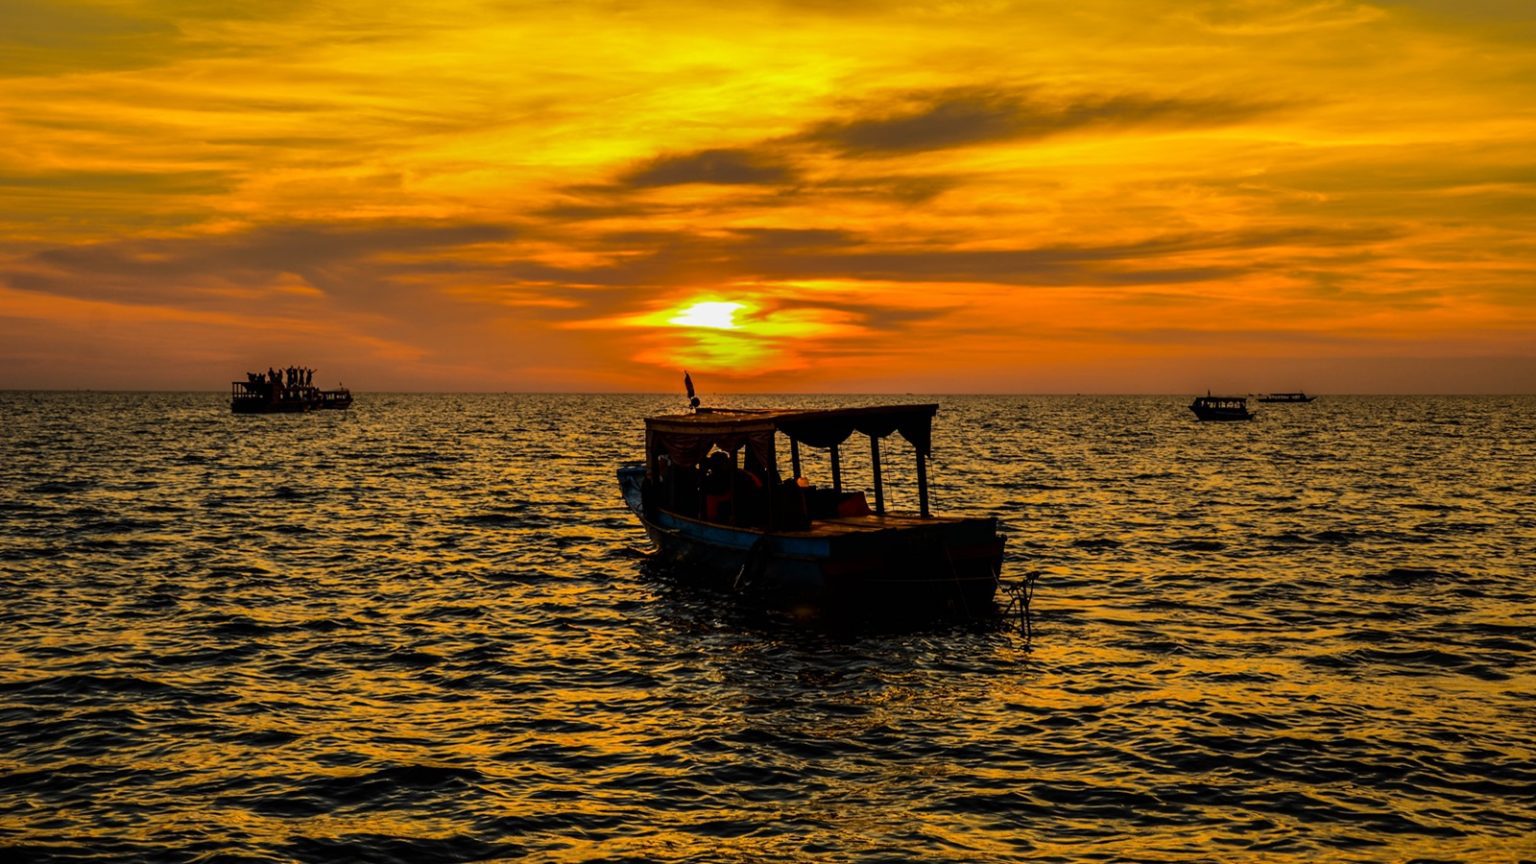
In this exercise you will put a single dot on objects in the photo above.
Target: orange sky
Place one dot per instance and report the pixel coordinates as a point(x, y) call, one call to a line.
point(1112, 196)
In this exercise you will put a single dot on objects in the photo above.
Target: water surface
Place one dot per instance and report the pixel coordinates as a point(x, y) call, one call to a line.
point(425, 630)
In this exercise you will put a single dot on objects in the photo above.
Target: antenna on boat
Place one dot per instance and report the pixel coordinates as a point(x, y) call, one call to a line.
point(693, 401)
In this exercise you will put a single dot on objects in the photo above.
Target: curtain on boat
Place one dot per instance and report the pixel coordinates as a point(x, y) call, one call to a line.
point(834, 429)
point(688, 438)
point(688, 449)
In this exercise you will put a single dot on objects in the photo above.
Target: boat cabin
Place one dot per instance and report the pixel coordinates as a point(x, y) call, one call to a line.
point(721, 465)
point(717, 502)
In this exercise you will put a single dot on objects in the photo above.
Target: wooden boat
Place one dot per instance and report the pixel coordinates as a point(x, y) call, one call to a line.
point(1210, 407)
point(261, 394)
point(712, 499)
point(1285, 397)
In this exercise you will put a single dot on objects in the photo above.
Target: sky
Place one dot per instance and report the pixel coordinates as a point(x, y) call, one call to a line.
point(1102, 196)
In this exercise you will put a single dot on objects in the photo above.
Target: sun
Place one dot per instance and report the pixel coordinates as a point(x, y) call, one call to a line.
point(714, 314)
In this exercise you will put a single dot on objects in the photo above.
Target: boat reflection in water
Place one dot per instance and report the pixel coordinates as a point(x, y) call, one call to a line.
point(712, 497)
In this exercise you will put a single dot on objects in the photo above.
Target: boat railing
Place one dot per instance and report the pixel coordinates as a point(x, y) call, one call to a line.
point(246, 391)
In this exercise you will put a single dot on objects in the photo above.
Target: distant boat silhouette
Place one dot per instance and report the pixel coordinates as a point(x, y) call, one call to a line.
point(1285, 397)
point(284, 391)
point(1210, 407)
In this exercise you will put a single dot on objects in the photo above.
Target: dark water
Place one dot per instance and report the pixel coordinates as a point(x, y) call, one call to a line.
point(424, 631)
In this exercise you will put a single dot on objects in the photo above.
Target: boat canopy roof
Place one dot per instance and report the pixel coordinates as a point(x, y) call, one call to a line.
point(687, 438)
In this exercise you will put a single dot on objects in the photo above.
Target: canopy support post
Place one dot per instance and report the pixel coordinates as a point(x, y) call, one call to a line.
point(837, 471)
point(874, 460)
point(794, 458)
point(922, 485)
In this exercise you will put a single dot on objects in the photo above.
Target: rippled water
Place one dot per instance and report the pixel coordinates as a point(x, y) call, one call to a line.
point(424, 630)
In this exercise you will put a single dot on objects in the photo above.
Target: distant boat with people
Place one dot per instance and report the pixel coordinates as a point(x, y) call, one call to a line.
point(712, 497)
point(284, 391)
point(1210, 407)
point(1285, 397)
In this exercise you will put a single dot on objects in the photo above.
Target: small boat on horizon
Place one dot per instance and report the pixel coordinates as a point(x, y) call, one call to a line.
point(1210, 407)
point(711, 497)
point(284, 391)
point(1285, 397)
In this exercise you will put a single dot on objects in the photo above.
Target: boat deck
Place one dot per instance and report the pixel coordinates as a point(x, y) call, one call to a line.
point(841, 525)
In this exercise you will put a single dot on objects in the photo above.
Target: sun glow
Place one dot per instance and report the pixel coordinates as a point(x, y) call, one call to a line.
point(714, 314)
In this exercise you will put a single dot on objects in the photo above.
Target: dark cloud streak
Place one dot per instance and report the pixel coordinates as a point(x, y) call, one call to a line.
point(969, 116)
point(820, 254)
point(85, 183)
point(719, 166)
point(394, 269)
point(344, 260)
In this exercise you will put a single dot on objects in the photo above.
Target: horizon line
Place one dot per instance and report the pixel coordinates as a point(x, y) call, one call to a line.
point(734, 394)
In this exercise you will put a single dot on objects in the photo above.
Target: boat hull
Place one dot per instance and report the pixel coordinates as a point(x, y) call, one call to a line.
point(1221, 414)
point(243, 402)
point(895, 567)
point(1221, 408)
